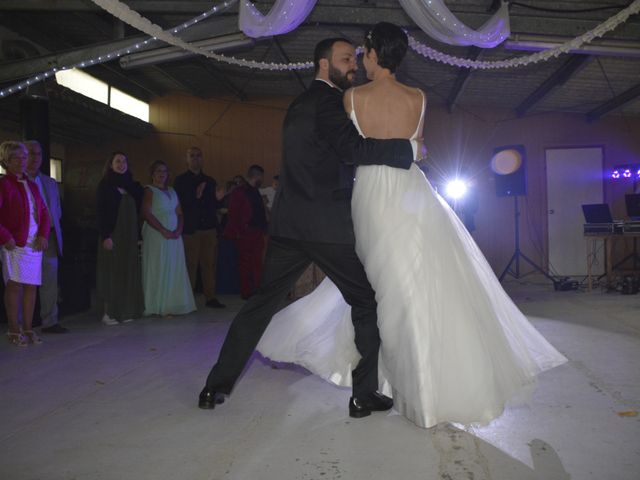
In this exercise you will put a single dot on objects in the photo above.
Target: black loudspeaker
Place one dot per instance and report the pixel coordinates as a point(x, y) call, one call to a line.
point(509, 164)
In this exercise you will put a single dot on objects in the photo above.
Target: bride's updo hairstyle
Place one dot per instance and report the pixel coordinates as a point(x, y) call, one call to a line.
point(390, 43)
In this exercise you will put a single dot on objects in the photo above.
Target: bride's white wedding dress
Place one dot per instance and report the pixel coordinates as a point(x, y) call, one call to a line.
point(455, 348)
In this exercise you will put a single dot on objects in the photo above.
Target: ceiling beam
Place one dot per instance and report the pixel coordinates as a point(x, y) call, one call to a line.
point(84, 6)
point(249, 77)
point(19, 69)
point(99, 25)
point(607, 47)
point(614, 103)
point(134, 83)
point(130, 83)
point(27, 29)
point(220, 76)
point(285, 57)
point(464, 74)
point(495, 6)
point(176, 81)
point(217, 44)
point(474, 13)
point(558, 78)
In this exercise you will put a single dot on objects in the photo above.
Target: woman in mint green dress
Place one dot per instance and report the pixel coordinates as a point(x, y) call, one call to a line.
point(167, 289)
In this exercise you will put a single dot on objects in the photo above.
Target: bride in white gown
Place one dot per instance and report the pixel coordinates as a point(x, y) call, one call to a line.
point(455, 348)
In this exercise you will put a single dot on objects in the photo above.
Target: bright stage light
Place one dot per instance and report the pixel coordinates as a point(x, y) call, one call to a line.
point(456, 189)
point(625, 172)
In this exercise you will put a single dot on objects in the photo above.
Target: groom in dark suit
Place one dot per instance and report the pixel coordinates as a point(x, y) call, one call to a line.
point(311, 222)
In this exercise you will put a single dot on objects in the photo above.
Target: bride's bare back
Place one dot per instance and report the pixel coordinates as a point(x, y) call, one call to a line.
point(386, 108)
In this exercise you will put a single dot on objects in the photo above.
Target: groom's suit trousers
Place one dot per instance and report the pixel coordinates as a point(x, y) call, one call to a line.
point(285, 261)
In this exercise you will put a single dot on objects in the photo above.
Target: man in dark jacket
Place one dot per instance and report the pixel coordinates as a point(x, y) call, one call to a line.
point(311, 222)
point(198, 198)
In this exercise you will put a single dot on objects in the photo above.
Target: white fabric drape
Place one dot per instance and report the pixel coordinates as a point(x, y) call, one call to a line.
point(432, 16)
point(437, 21)
point(283, 17)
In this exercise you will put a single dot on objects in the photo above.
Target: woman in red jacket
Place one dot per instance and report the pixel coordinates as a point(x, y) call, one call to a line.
point(24, 230)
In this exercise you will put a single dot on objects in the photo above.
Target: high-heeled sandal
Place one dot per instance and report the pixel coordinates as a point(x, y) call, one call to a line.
point(16, 339)
point(31, 337)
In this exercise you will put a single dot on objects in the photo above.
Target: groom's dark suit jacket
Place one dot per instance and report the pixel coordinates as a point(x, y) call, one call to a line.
point(320, 148)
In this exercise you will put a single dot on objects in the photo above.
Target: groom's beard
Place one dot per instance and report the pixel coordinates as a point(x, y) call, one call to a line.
point(340, 79)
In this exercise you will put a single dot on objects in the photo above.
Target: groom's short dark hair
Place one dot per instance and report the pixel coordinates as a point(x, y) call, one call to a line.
point(324, 49)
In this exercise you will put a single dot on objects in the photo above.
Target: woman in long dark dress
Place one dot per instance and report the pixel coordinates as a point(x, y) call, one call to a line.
point(119, 276)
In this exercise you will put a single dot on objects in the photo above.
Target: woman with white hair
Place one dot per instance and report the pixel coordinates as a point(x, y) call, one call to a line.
point(24, 230)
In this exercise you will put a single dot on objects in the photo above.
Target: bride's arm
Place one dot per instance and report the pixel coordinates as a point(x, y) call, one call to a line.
point(336, 128)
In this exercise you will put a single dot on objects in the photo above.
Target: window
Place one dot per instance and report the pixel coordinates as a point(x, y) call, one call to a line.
point(55, 169)
point(91, 87)
point(85, 84)
point(128, 104)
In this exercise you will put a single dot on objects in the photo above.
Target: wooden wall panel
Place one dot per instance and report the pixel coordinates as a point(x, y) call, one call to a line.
point(234, 135)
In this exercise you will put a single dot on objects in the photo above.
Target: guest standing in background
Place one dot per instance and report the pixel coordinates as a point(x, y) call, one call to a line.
point(228, 279)
point(24, 230)
point(48, 291)
point(200, 200)
point(239, 180)
point(167, 289)
point(224, 208)
point(247, 226)
point(269, 193)
point(118, 270)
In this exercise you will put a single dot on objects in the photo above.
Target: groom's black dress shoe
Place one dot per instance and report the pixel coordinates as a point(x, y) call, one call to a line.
point(363, 406)
point(209, 399)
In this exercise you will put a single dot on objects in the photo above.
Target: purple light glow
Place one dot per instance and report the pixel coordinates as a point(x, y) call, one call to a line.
point(625, 171)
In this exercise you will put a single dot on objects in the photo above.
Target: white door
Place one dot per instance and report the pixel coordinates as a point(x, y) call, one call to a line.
point(574, 178)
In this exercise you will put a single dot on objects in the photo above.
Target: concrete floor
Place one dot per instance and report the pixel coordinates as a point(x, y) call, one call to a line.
point(120, 403)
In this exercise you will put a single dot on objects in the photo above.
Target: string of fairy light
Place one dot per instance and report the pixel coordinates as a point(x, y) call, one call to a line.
point(131, 17)
point(137, 46)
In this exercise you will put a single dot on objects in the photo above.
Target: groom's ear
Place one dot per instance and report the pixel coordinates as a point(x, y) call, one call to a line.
point(324, 64)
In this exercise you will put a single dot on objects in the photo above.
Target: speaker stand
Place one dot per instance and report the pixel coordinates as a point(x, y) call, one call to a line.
point(517, 254)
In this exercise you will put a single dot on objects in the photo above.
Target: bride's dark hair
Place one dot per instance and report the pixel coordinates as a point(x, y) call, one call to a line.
point(390, 43)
